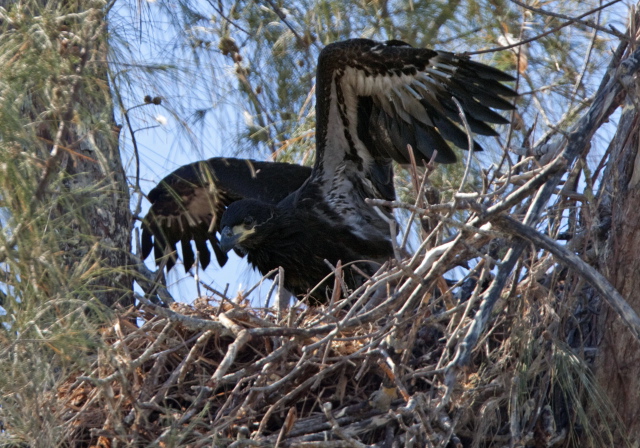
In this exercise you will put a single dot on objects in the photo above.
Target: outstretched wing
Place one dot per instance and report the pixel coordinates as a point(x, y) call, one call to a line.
point(375, 98)
point(188, 204)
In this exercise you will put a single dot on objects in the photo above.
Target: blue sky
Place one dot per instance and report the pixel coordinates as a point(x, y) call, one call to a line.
point(166, 143)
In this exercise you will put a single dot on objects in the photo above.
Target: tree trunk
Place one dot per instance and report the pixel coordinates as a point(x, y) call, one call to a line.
point(77, 173)
point(618, 361)
point(106, 207)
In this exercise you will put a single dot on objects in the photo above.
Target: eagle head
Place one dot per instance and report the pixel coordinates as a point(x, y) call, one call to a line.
point(241, 223)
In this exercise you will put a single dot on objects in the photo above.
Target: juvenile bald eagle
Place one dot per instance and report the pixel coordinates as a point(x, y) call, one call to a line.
point(372, 100)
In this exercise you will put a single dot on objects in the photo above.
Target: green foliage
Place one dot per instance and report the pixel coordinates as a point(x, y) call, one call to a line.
point(54, 107)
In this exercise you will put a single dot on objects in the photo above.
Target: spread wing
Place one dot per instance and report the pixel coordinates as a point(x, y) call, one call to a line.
point(187, 204)
point(375, 98)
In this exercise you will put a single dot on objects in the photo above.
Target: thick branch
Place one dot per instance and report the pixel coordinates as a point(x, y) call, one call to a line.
point(596, 279)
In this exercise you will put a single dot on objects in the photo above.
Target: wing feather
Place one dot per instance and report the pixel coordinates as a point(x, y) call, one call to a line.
point(413, 90)
point(187, 204)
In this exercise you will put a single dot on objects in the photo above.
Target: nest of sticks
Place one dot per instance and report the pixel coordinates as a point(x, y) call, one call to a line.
point(387, 365)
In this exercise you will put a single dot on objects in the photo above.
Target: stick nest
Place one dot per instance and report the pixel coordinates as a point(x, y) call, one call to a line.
point(377, 372)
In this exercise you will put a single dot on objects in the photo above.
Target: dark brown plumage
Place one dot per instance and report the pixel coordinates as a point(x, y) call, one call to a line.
point(187, 205)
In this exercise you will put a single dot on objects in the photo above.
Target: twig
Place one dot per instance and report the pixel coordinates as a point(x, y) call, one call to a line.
point(546, 33)
point(188, 321)
point(587, 23)
point(293, 393)
point(277, 354)
point(335, 426)
point(470, 143)
point(232, 352)
point(200, 342)
point(597, 280)
point(392, 231)
point(283, 17)
point(421, 211)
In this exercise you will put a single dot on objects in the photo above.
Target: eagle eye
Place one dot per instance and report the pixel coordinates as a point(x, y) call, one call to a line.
point(248, 221)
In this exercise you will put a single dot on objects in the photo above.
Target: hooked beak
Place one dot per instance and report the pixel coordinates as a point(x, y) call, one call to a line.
point(228, 239)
